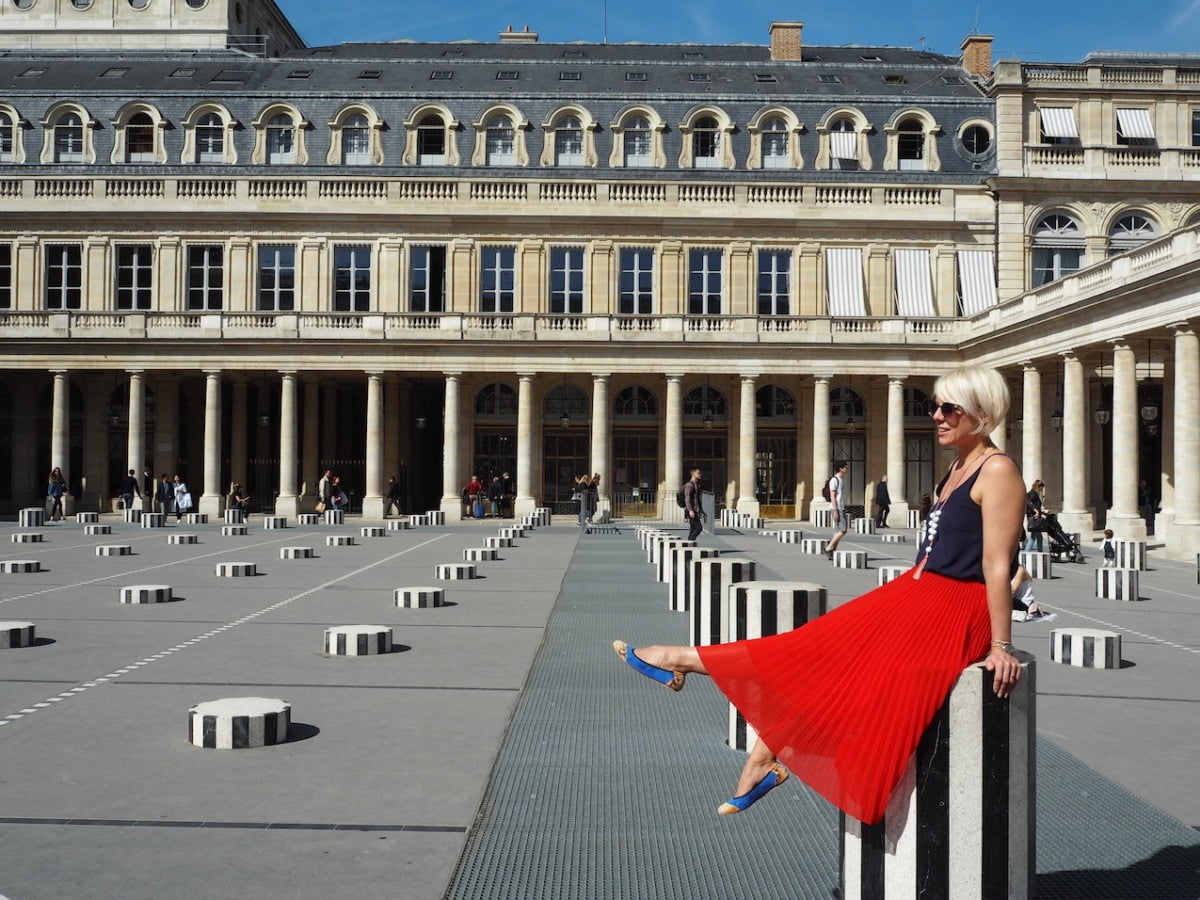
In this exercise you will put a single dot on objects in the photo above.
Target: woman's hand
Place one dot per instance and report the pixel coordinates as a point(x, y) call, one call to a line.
point(1007, 670)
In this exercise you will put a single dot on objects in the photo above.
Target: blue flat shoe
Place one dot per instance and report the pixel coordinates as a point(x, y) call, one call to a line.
point(673, 680)
point(773, 779)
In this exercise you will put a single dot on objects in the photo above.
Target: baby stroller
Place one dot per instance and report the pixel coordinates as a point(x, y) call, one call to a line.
point(1062, 546)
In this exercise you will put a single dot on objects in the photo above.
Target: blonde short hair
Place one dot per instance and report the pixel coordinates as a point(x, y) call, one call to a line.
point(980, 391)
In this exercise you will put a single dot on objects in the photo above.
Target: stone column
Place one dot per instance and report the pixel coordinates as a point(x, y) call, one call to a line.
point(1123, 518)
point(239, 454)
point(372, 505)
point(212, 501)
point(747, 502)
point(451, 479)
point(310, 449)
point(820, 441)
point(1074, 515)
point(60, 424)
point(135, 455)
point(898, 515)
point(524, 502)
point(1031, 422)
point(1185, 529)
point(673, 472)
point(601, 446)
point(288, 502)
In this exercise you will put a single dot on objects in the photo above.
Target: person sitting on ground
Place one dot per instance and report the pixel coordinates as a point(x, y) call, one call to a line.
point(1025, 605)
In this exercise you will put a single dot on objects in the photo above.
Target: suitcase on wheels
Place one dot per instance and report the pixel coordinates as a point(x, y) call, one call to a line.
point(477, 510)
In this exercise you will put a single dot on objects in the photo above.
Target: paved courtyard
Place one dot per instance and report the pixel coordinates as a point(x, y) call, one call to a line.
point(500, 750)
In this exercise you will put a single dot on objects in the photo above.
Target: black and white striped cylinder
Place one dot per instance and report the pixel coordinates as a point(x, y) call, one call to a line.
point(373, 531)
point(87, 518)
point(435, 517)
point(914, 518)
point(297, 553)
point(234, 517)
point(961, 823)
point(890, 573)
point(236, 569)
point(195, 518)
point(769, 533)
point(31, 517)
point(662, 567)
point(93, 530)
point(512, 531)
point(398, 524)
point(822, 518)
point(1131, 555)
point(543, 516)
point(274, 523)
point(146, 593)
point(308, 519)
point(335, 517)
point(16, 634)
point(234, 530)
point(420, 520)
point(789, 536)
point(529, 522)
point(19, 566)
point(454, 571)
point(185, 538)
point(339, 540)
point(1117, 584)
point(27, 537)
point(154, 520)
point(850, 559)
point(419, 597)
point(114, 550)
point(480, 554)
point(813, 546)
point(132, 516)
point(864, 526)
point(748, 521)
point(239, 723)
point(645, 535)
point(893, 537)
point(498, 543)
point(729, 517)
point(358, 640)
point(1038, 565)
point(760, 608)
point(679, 587)
point(1086, 648)
point(711, 578)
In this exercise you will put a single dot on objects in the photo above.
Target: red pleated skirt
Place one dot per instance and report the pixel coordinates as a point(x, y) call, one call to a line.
point(843, 700)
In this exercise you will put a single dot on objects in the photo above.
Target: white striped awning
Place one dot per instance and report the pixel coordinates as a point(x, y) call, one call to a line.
point(1059, 122)
point(1135, 123)
point(844, 281)
point(976, 280)
point(914, 283)
point(843, 144)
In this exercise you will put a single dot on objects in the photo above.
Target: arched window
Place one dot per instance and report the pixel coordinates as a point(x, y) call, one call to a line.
point(843, 145)
point(68, 139)
point(1130, 231)
point(639, 143)
point(496, 400)
point(431, 141)
point(1057, 248)
point(773, 402)
point(281, 140)
point(139, 139)
point(706, 143)
point(8, 137)
point(916, 403)
point(210, 139)
point(635, 401)
point(569, 399)
point(775, 149)
point(704, 401)
point(910, 144)
point(846, 407)
point(568, 142)
point(501, 141)
point(356, 141)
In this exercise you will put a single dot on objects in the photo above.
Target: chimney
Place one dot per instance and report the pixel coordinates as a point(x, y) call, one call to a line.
point(785, 40)
point(977, 54)
point(508, 36)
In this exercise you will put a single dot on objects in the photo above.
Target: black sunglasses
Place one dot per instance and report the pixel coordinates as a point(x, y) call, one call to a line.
point(947, 409)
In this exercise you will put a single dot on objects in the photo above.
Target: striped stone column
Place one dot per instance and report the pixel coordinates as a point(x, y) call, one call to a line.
point(964, 829)
point(1117, 584)
point(1086, 648)
point(710, 581)
point(663, 565)
point(1131, 555)
point(679, 586)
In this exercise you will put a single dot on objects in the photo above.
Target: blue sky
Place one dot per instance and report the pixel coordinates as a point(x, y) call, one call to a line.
point(1035, 30)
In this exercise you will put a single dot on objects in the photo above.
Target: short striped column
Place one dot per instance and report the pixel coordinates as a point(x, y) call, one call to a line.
point(27, 537)
point(234, 530)
point(421, 520)
point(239, 723)
point(93, 530)
point(419, 597)
point(186, 538)
point(87, 518)
point(789, 536)
point(308, 519)
point(766, 532)
point(373, 531)
point(435, 517)
point(19, 566)
point(751, 522)
point(114, 550)
point(31, 517)
point(543, 516)
point(758, 609)
point(729, 518)
point(16, 634)
point(964, 829)
point(195, 518)
point(813, 546)
point(711, 578)
point(662, 565)
point(454, 572)
point(297, 553)
point(891, 573)
point(1038, 565)
point(645, 535)
point(398, 524)
point(146, 593)
point(512, 532)
point(1131, 555)
point(274, 523)
point(132, 516)
point(153, 520)
point(480, 554)
point(914, 518)
point(1086, 648)
point(498, 543)
point(850, 559)
point(822, 518)
point(335, 517)
point(892, 537)
point(864, 526)
point(234, 517)
point(1117, 584)
point(236, 569)
point(358, 640)
point(339, 540)
point(679, 586)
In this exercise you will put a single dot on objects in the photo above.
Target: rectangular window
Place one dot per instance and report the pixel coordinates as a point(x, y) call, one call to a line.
point(914, 284)
point(351, 279)
point(64, 276)
point(276, 279)
point(976, 281)
point(704, 282)
point(135, 271)
point(498, 280)
point(205, 277)
point(1196, 127)
point(1058, 125)
point(210, 140)
point(774, 282)
point(8, 131)
point(637, 281)
point(566, 280)
point(1052, 263)
point(427, 280)
point(844, 281)
point(1134, 128)
point(6, 277)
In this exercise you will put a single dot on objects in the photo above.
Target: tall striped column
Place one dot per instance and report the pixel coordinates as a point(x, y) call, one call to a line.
point(679, 583)
point(663, 564)
point(961, 823)
point(710, 582)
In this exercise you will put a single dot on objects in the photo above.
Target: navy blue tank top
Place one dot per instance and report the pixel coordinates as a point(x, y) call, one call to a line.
point(952, 536)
